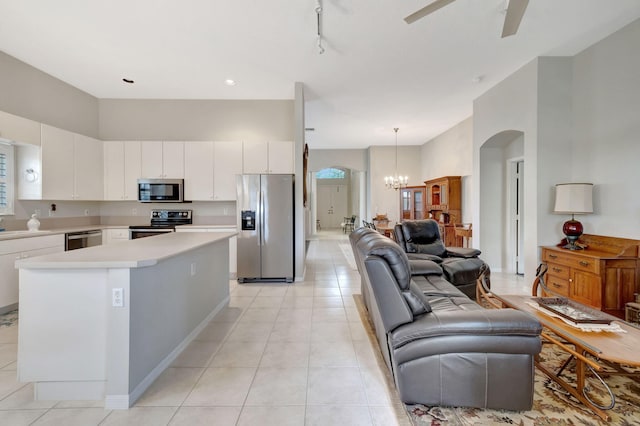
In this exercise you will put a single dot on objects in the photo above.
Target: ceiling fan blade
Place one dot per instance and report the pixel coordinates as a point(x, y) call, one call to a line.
point(515, 12)
point(430, 8)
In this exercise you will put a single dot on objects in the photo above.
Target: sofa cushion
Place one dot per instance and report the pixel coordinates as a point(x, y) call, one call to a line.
point(423, 237)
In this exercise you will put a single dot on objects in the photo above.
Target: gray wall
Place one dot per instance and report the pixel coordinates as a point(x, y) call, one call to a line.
point(193, 120)
point(31, 93)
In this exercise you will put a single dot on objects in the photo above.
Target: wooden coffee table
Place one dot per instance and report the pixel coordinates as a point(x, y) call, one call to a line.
point(592, 351)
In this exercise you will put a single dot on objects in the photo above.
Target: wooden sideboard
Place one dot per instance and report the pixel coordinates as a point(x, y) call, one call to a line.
point(605, 275)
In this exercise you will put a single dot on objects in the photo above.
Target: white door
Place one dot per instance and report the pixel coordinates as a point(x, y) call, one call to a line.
point(332, 205)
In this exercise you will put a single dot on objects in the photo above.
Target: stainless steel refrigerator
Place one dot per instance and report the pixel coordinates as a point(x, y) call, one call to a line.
point(265, 228)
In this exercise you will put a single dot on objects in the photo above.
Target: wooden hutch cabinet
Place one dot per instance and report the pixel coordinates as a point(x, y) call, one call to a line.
point(412, 202)
point(444, 203)
point(605, 275)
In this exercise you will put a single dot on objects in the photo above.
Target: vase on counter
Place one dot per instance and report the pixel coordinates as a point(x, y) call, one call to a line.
point(33, 224)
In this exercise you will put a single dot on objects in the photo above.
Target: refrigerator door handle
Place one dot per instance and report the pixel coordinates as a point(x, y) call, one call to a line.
point(259, 216)
point(262, 218)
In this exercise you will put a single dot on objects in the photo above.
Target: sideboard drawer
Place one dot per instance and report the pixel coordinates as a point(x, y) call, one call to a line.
point(572, 260)
point(558, 285)
point(558, 270)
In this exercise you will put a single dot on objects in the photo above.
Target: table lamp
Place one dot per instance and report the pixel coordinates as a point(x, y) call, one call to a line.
point(573, 198)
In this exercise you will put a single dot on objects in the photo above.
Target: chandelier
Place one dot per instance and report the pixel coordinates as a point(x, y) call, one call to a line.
point(396, 182)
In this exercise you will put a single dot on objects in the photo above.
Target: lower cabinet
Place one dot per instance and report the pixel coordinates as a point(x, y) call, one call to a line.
point(233, 243)
point(599, 279)
point(16, 249)
point(113, 235)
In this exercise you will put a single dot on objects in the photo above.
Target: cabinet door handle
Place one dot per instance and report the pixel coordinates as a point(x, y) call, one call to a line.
point(584, 263)
point(553, 256)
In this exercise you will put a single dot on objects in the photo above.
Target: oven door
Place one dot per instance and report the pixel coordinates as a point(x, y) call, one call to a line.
point(136, 233)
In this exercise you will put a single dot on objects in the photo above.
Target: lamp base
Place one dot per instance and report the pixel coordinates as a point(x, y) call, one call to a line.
point(572, 230)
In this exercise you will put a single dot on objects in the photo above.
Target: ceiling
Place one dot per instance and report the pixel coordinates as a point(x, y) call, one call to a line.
point(376, 73)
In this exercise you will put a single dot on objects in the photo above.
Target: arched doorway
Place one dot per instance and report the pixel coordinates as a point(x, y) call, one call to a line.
point(336, 192)
point(502, 216)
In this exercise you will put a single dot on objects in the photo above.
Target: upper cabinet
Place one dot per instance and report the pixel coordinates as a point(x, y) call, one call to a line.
point(122, 168)
point(72, 166)
point(268, 157)
point(227, 164)
point(19, 130)
point(198, 171)
point(444, 197)
point(211, 169)
point(162, 159)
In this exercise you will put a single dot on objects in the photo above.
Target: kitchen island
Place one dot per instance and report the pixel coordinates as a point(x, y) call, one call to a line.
point(104, 322)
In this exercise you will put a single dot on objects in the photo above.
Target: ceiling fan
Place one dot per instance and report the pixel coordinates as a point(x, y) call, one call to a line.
point(515, 11)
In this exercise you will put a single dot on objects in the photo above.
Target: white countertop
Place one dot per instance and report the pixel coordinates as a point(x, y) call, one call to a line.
point(136, 253)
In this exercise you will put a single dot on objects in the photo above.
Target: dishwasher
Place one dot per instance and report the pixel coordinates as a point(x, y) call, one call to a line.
point(82, 239)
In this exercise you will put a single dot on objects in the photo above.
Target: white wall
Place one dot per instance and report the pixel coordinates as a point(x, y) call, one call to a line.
point(382, 163)
point(606, 127)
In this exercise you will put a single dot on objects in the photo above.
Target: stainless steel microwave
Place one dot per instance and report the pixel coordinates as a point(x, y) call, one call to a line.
point(161, 190)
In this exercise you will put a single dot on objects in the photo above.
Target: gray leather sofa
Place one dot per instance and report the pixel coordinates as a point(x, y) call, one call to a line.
point(420, 239)
point(441, 347)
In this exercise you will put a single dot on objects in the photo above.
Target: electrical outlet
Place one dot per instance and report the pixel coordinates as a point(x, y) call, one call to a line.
point(117, 297)
point(37, 212)
point(193, 269)
point(86, 212)
point(134, 212)
point(51, 213)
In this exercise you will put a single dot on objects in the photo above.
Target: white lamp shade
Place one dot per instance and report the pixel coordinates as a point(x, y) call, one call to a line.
point(574, 198)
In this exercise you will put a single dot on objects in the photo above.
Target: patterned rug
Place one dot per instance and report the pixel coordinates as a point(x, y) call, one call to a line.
point(551, 404)
point(8, 319)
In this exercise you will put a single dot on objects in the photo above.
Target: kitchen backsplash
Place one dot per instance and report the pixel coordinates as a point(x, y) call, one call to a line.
point(80, 213)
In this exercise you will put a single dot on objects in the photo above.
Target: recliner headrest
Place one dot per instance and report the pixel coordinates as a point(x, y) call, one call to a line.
point(423, 236)
point(391, 252)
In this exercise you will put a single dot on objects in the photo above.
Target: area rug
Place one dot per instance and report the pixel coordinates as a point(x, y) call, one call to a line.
point(551, 404)
point(8, 319)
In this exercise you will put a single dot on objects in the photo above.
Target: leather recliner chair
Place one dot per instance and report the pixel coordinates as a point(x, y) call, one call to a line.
point(420, 239)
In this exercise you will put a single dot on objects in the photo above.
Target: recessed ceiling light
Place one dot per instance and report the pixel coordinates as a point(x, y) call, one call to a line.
point(230, 82)
point(126, 80)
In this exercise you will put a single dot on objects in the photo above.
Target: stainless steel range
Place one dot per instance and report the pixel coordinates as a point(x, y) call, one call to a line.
point(162, 221)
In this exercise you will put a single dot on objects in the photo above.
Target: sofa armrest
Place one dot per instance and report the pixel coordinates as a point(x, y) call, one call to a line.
point(462, 252)
point(484, 322)
point(424, 267)
point(424, 256)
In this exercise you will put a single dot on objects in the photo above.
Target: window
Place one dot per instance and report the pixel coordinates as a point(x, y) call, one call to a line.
point(330, 173)
point(6, 179)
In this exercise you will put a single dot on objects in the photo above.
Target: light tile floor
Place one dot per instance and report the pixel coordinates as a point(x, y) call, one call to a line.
point(276, 355)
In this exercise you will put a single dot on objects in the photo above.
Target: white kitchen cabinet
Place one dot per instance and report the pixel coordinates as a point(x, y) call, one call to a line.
point(268, 157)
point(233, 243)
point(198, 171)
point(162, 159)
point(281, 157)
point(227, 163)
point(72, 166)
point(114, 235)
point(16, 249)
point(18, 129)
point(122, 168)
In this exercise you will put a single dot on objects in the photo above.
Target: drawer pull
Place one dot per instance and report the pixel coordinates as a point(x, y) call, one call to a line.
point(557, 269)
point(584, 263)
point(553, 256)
point(556, 285)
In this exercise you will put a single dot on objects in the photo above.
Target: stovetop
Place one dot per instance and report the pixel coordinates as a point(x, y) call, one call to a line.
point(163, 218)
